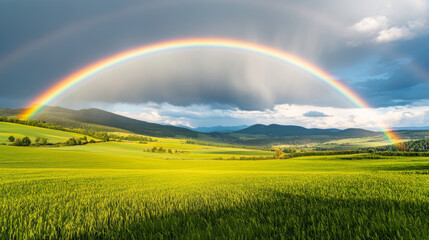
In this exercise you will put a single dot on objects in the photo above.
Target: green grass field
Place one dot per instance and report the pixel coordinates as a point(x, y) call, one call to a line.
point(120, 191)
point(354, 143)
point(20, 131)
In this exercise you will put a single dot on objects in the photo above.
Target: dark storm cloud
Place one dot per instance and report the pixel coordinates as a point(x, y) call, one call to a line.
point(43, 67)
point(46, 40)
point(206, 76)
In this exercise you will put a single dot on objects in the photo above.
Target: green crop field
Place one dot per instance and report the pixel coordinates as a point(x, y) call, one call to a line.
point(118, 190)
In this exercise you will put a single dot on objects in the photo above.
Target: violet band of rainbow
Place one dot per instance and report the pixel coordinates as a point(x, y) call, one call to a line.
point(85, 73)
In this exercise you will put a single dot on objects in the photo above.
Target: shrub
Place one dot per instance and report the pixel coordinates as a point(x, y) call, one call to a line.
point(26, 141)
point(17, 142)
point(44, 141)
point(72, 142)
point(11, 139)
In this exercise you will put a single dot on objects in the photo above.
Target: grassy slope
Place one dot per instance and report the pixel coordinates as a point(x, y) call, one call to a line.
point(355, 143)
point(20, 131)
point(116, 190)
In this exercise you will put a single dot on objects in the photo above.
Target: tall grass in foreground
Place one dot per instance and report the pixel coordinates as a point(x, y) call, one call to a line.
point(214, 204)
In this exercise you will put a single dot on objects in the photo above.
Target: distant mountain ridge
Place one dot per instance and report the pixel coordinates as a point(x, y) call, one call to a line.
point(275, 130)
point(220, 129)
point(411, 128)
point(100, 120)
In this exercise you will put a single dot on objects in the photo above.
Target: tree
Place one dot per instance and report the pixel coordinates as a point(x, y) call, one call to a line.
point(26, 141)
point(11, 139)
point(105, 138)
point(278, 153)
point(44, 141)
point(71, 142)
point(17, 142)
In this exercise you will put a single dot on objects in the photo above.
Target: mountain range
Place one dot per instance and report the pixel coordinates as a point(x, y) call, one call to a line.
point(218, 129)
point(100, 120)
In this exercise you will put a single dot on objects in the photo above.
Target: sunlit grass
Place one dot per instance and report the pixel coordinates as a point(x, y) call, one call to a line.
point(118, 190)
point(53, 193)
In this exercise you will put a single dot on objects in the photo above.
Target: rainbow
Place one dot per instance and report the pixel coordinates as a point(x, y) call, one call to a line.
point(87, 72)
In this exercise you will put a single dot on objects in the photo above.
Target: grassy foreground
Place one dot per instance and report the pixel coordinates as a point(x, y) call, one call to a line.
point(119, 191)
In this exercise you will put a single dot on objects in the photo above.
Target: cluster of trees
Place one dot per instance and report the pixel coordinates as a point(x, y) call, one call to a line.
point(161, 150)
point(133, 138)
point(40, 141)
point(25, 141)
point(78, 141)
point(421, 145)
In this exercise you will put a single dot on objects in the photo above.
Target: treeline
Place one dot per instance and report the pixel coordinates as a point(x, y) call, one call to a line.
point(404, 154)
point(26, 141)
point(77, 141)
point(289, 154)
point(421, 145)
point(163, 150)
point(48, 125)
point(35, 123)
point(247, 158)
point(40, 141)
point(370, 154)
point(214, 144)
point(140, 139)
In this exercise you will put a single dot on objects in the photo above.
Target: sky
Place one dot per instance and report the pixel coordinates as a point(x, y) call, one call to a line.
point(378, 48)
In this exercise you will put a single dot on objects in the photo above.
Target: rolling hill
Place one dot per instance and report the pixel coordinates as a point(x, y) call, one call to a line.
point(100, 120)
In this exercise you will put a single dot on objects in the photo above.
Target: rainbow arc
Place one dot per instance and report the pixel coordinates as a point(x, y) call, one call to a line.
point(70, 81)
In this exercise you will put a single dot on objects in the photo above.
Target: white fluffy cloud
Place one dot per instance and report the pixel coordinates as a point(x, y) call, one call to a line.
point(381, 30)
point(371, 24)
point(393, 34)
point(388, 21)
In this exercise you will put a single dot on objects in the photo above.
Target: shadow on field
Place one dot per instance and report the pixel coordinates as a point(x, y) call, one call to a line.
point(283, 216)
point(419, 167)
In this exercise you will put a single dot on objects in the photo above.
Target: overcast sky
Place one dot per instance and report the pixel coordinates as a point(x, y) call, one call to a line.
point(376, 47)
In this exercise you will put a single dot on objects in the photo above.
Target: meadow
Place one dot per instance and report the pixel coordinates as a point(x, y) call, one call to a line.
point(118, 190)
